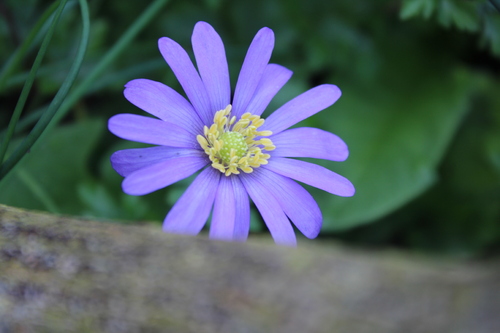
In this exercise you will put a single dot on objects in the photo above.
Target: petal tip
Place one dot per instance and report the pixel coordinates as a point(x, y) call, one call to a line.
point(126, 188)
point(343, 154)
point(334, 90)
point(202, 24)
point(314, 231)
point(165, 43)
point(349, 191)
point(112, 122)
point(137, 83)
point(114, 161)
point(162, 41)
point(203, 27)
point(268, 32)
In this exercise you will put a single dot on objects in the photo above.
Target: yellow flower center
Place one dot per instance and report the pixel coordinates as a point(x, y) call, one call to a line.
point(232, 145)
point(232, 141)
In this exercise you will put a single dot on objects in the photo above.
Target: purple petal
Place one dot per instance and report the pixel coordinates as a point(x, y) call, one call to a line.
point(231, 214)
point(149, 130)
point(255, 62)
point(242, 219)
point(309, 142)
point(190, 212)
point(212, 65)
point(273, 79)
point(302, 107)
point(223, 216)
point(278, 224)
point(295, 201)
point(311, 174)
point(163, 102)
point(129, 160)
point(188, 77)
point(162, 174)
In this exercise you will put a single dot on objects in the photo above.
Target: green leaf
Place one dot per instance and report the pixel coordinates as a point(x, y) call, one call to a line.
point(460, 214)
point(462, 14)
point(397, 133)
point(491, 31)
point(99, 202)
point(54, 170)
point(412, 8)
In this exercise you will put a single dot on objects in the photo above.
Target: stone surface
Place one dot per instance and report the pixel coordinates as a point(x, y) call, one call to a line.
point(61, 274)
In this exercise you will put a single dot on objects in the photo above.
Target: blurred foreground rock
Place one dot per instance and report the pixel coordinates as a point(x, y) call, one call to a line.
point(73, 275)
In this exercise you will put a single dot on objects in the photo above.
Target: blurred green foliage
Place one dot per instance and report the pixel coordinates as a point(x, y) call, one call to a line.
point(420, 110)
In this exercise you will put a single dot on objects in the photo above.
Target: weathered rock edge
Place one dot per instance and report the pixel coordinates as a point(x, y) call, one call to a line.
point(60, 274)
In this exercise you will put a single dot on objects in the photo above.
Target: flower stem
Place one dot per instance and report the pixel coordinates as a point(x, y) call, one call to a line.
point(58, 99)
point(31, 77)
point(21, 51)
point(64, 106)
point(109, 58)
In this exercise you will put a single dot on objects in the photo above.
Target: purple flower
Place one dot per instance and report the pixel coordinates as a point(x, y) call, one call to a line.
point(239, 153)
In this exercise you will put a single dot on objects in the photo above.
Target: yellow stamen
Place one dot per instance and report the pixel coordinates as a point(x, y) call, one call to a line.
point(231, 145)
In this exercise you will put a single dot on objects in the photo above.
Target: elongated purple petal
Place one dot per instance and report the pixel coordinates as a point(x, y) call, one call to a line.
point(312, 174)
point(278, 224)
point(309, 142)
point(190, 212)
point(162, 174)
point(302, 107)
point(188, 77)
point(255, 62)
point(242, 203)
point(149, 130)
point(129, 160)
point(231, 214)
point(163, 102)
point(223, 216)
point(273, 79)
point(295, 201)
point(212, 64)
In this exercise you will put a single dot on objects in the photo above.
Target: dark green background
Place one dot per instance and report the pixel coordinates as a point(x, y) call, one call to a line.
point(420, 110)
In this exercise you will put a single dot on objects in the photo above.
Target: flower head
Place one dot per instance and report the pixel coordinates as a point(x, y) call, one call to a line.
point(241, 155)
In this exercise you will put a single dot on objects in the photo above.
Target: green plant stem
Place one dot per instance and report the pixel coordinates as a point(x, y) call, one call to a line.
point(18, 55)
point(58, 99)
point(112, 54)
point(29, 82)
point(21, 51)
point(149, 65)
point(84, 87)
point(27, 121)
point(19, 78)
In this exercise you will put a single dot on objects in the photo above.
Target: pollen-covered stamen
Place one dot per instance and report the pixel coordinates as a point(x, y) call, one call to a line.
point(235, 145)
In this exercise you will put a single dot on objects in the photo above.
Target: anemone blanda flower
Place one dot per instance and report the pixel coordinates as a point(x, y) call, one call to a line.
point(239, 153)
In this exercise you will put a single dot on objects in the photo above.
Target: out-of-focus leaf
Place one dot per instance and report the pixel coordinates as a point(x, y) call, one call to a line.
point(397, 133)
point(460, 214)
point(493, 150)
point(462, 14)
point(491, 32)
point(412, 8)
point(57, 165)
point(98, 202)
point(213, 4)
